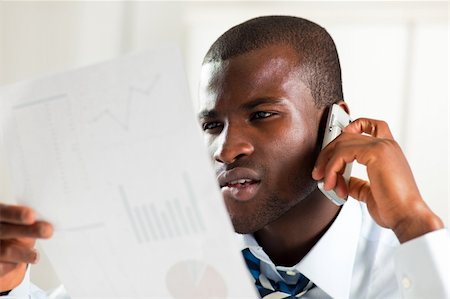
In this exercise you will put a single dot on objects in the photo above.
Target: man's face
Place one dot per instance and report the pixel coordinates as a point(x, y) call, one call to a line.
point(261, 127)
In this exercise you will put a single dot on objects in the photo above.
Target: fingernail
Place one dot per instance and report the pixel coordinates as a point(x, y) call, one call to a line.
point(326, 187)
point(314, 172)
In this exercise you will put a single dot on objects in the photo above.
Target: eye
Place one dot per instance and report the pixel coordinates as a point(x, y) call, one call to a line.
point(260, 115)
point(211, 125)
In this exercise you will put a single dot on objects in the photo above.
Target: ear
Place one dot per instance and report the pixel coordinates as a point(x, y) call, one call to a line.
point(344, 106)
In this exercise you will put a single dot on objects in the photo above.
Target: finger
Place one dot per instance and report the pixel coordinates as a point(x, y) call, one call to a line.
point(317, 173)
point(17, 214)
point(25, 241)
point(28, 242)
point(40, 229)
point(15, 253)
point(345, 140)
point(373, 127)
point(359, 189)
point(369, 151)
point(336, 165)
point(341, 187)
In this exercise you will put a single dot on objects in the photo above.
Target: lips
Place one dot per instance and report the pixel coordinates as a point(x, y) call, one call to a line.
point(240, 183)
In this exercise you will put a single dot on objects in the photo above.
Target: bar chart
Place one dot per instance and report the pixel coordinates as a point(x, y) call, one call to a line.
point(172, 218)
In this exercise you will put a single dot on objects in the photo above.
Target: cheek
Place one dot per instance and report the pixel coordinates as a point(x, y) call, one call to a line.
point(293, 160)
point(296, 153)
point(295, 142)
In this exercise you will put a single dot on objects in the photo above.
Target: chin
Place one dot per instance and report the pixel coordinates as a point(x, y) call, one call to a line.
point(248, 225)
point(243, 226)
point(250, 217)
point(243, 230)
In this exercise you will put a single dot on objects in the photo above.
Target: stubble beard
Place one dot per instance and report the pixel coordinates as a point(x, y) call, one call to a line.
point(273, 208)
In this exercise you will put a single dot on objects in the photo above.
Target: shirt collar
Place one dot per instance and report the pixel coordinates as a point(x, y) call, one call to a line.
point(329, 264)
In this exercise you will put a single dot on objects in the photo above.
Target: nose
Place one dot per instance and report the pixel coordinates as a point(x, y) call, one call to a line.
point(232, 145)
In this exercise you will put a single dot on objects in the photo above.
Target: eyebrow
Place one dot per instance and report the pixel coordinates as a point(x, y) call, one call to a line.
point(260, 101)
point(207, 114)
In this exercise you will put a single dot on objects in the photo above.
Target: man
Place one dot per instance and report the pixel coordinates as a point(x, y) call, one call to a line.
point(267, 85)
point(266, 88)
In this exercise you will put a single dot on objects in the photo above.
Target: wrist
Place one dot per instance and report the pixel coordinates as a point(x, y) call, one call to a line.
point(417, 224)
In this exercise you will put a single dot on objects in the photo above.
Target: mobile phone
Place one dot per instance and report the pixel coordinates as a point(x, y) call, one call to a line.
point(336, 121)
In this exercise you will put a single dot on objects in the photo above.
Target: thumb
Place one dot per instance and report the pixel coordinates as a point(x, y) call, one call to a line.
point(359, 189)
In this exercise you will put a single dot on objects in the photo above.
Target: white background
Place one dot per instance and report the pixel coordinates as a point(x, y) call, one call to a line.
point(394, 58)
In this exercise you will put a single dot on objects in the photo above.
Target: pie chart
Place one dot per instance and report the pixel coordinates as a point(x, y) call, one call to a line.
point(195, 279)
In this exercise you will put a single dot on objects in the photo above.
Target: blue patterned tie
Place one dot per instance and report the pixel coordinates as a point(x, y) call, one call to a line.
point(270, 289)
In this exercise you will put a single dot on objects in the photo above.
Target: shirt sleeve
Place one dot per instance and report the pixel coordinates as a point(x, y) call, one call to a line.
point(422, 266)
point(26, 290)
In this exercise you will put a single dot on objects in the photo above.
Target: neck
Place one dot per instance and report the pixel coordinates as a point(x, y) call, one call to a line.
point(289, 238)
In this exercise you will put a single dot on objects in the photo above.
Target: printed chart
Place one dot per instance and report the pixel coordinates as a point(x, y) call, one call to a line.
point(112, 155)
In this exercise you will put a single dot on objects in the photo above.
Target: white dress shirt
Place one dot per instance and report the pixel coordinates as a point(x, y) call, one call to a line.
point(355, 258)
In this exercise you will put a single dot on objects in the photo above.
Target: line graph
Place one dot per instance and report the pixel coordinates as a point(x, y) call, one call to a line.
point(124, 122)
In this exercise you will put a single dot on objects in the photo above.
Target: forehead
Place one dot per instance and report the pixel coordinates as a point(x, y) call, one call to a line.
point(267, 72)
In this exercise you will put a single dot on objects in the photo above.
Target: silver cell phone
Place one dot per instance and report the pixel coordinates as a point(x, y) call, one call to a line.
point(336, 121)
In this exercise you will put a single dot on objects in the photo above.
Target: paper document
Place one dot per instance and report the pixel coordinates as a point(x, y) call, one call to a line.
point(111, 154)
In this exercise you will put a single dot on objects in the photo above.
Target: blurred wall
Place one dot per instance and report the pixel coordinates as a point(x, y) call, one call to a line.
point(394, 58)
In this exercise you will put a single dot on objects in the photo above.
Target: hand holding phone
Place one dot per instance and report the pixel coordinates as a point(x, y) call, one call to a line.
point(336, 121)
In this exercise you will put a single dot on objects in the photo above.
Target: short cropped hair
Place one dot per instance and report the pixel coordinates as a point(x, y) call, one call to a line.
point(318, 57)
